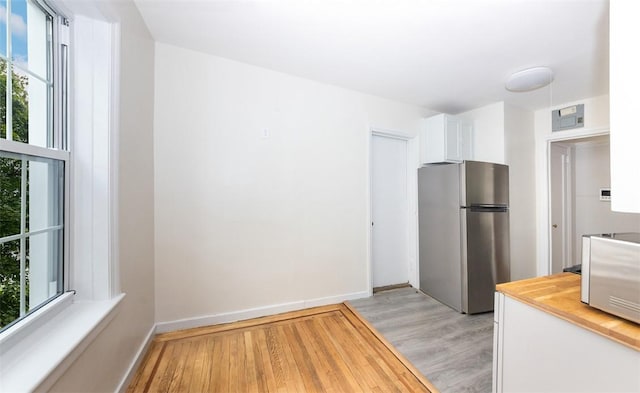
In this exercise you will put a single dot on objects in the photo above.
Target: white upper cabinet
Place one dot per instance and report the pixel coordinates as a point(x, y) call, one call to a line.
point(445, 138)
point(624, 88)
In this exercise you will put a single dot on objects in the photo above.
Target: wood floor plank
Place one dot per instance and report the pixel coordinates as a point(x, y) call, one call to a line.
point(264, 356)
point(326, 374)
point(356, 363)
point(303, 360)
point(293, 373)
point(262, 372)
point(201, 363)
point(325, 349)
point(225, 359)
point(237, 382)
point(183, 372)
point(250, 364)
point(336, 359)
point(147, 368)
point(215, 346)
point(274, 355)
point(168, 376)
point(159, 377)
point(233, 367)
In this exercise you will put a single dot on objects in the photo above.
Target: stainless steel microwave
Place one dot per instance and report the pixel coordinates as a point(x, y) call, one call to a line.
point(611, 273)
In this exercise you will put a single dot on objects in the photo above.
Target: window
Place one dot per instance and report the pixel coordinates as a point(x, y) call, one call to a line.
point(33, 159)
point(89, 192)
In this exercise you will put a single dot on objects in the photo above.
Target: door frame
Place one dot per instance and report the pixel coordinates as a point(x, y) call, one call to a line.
point(566, 202)
point(543, 234)
point(412, 203)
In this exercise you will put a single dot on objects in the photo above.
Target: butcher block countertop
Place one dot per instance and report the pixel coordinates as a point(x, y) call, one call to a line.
point(559, 295)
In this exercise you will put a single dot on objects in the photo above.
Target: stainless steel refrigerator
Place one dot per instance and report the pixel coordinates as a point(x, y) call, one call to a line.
point(463, 233)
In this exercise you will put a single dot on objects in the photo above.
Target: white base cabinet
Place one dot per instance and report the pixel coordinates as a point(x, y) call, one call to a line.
point(534, 351)
point(446, 138)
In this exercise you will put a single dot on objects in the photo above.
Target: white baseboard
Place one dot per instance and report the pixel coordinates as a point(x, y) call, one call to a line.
point(188, 323)
point(137, 359)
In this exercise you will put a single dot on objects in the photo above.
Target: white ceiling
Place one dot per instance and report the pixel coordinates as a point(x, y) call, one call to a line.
point(446, 55)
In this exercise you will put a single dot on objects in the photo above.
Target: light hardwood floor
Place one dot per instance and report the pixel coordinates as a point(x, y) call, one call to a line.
point(324, 349)
point(454, 351)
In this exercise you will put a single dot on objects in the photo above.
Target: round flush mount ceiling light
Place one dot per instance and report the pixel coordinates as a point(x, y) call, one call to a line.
point(529, 79)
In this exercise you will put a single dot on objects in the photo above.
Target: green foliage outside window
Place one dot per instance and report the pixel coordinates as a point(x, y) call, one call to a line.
point(10, 184)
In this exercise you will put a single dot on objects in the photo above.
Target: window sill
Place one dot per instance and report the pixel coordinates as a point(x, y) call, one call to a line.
point(39, 358)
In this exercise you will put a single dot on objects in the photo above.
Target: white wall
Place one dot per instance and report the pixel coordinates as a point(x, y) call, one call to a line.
point(519, 155)
point(591, 172)
point(394, 117)
point(596, 122)
point(101, 367)
point(245, 221)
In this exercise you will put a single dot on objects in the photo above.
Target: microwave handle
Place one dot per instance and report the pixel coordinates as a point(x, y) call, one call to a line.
point(586, 269)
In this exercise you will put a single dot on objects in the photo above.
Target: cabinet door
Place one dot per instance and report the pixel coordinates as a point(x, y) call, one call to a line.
point(446, 138)
point(625, 83)
point(432, 139)
point(466, 140)
point(538, 352)
point(452, 138)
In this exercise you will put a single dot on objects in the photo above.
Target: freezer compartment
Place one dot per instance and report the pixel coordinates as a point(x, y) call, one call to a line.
point(484, 184)
point(485, 256)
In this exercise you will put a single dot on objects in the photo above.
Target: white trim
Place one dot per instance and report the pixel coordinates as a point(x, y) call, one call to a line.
point(573, 135)
point(62, 339)
point(93, 195)
point(498, 347)
point(32, 150)
point(9, 88)
point(389, 134)
point(369, 214)
point(233, 316)
point(113, 158)
point(136, 361)
point(26, 326)
point(565, 202)
point(30, 233)
point(413, 163)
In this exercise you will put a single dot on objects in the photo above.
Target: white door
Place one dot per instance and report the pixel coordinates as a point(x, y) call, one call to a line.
point(389, 236)
point(560, 206)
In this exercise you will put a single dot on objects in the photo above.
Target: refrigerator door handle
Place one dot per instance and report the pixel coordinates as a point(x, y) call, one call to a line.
point(464, 271)
point(487, 208)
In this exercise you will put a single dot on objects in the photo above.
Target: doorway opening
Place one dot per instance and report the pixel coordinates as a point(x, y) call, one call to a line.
point(579, 182)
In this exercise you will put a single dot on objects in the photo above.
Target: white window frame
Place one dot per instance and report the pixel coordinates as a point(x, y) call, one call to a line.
point(65, 326)
point(54, 117)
